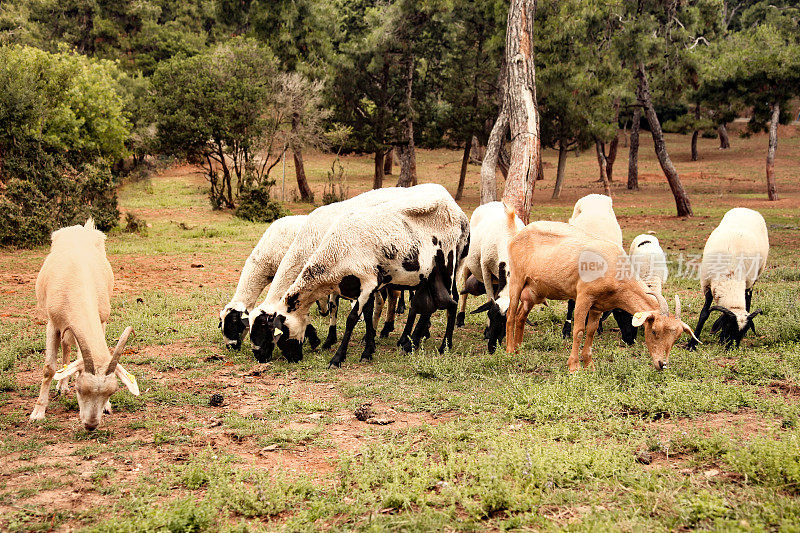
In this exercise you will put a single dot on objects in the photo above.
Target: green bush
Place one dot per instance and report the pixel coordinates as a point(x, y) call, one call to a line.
point(64, 125)
point(257, 205)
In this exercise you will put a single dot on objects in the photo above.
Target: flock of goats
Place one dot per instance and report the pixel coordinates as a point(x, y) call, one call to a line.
point(372, 248)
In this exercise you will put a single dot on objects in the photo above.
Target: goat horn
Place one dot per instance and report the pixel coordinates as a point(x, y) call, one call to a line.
point(677, 307)
point(88, 363)
point(653, 287)
point(112, 366)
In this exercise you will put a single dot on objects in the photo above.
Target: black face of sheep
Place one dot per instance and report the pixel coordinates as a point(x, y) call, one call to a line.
point(292, 349)
point(495, 332)
point(233, 327)
point(261, 337)
point(728, 326)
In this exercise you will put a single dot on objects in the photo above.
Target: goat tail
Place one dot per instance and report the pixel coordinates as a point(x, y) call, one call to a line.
point(511, 220)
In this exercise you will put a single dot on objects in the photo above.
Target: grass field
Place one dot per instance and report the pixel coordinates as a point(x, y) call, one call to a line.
point(474, 441)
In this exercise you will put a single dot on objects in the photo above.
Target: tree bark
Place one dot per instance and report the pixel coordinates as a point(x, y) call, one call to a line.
point(695, 133)
point(408, 159)
point(388, 159)
point(682, 203)
point(377, 179)
point(633, 154)
point(489, 164)
point(562, 164)
point(462, 177)
point(523, 113)
point(306, 194)
point(603, 164)
point(724, 140)
point(772, 193)
point(613, 146)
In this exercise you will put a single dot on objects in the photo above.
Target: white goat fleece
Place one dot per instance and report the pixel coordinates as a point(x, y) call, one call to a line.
point(648, 258)
point(594, 214)
point(734, 258)
point(263, 262)
point(74, 289)
point(308, 238)
point(488, 248)
point(372, 248)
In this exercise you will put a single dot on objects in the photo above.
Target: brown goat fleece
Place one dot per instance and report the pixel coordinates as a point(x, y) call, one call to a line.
point(557, 261)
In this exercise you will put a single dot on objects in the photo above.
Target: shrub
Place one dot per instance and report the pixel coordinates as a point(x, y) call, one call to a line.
point(63, 126)
point(257, 205)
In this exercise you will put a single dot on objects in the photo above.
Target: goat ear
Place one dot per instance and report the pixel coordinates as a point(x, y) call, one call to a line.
point(482, 308)
point(642, 316)
point(127, 379)
point(688, 329)
point(69, 369)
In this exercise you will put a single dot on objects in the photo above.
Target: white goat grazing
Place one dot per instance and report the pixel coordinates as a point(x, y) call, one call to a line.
point(258, 271)
point(417, 241)
point(74, 289)
point(492, 225)
point(733, 259)
point(594, 214)
point(308, 238)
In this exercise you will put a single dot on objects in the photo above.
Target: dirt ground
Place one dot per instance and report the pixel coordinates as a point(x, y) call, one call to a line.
point(53, 475)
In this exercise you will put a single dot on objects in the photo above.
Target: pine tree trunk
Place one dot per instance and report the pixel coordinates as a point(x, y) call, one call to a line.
point(388, 159)
point(724, 140)
point(682, 203)
point(491, 155)
point(462, 177)
point(562, 164)
point(377, 180)
point(612, 156)
point(633, 154)
point(490, 158)
point(306, 194)
point(603, 164)
point(408, 160)
point(695, 133)
point(523, 113)
point(772, 193)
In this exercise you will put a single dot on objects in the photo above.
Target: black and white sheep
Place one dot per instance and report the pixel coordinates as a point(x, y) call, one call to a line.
point(258, 271)
point(416, 240)
point(733, 259)
point(305, 243)
point(74, 290)
point(492, 225)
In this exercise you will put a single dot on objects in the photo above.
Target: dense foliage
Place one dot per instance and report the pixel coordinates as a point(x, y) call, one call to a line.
point(236, 85)
point(63, 127)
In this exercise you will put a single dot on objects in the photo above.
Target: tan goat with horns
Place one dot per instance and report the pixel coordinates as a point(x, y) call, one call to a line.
point(557, 261)
point(74, 289)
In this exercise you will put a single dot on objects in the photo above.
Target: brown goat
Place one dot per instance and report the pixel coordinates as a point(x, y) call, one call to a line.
point(553, 260)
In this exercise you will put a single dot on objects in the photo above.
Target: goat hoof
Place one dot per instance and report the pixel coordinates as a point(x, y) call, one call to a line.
point(460, 317)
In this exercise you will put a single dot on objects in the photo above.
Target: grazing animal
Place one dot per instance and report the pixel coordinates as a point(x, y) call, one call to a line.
point(258, 271)
point(733, 259)
point(305, 243)
point(594, 214)
point(74, 290)
point(648, 262)
point(492, 225)
point(417, 241)
point(553, 260)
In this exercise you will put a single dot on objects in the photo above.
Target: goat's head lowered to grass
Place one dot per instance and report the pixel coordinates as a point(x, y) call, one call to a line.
point(97, 381)
point(662, 330)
